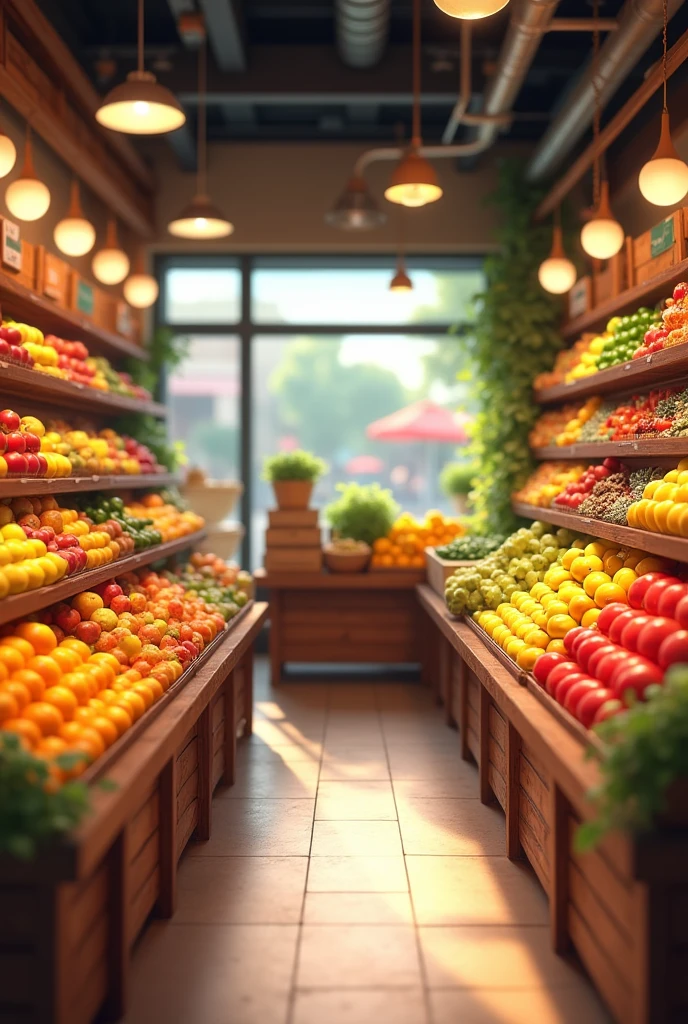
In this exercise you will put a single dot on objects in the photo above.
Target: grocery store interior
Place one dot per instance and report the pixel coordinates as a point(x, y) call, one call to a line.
point(344, 511)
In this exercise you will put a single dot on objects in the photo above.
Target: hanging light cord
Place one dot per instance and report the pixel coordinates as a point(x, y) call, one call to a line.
point(664, 53)
point(596, 93)
point(202, 150)
point(401, 225)
point(140, 34)
point(415, 132)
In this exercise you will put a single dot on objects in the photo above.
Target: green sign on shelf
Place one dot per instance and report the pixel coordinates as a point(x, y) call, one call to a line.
point(662, 237)
point(84, 298)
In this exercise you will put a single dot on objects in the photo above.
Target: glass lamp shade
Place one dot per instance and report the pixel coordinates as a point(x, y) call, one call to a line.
point(140, 106)
point(413, 182)
point(110, 266)
point(74, 236)
point(663, 180)
point(603, 236)
point(8, 155)
point(141, 290)
point(401, 282)
point(200, 219)
point(355, 210)
point(471, 10)
point(557, 274)
point(27, 199)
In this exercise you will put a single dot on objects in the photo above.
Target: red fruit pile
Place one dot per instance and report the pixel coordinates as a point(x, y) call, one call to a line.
point(20, 446)
point(72, 356)
point(638, 417)
point(628, 651)
point(574, 494)
point(11, 349)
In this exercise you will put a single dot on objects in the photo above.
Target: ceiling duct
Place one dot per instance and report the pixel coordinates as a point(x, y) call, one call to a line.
point(362, 29)
point(638, 24)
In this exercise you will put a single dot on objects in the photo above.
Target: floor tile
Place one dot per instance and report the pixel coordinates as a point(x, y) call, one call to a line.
point(357, 874)
point(355, 763)
point(435, 769)
point(394, 1006)
point(356, 838)
point(355, 800)
point(286, 753)
point(494, 958)
point(451, 827)
point(358, 908)
point(261, 779)
point(258, 828)
point(358, 956)
point(212, 974)
point(446, 787)
point(240, 890)
point(475, 890)
point(281, 734)
point(577, 1005)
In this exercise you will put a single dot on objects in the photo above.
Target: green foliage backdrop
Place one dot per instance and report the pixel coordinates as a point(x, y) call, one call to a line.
point(515, 337)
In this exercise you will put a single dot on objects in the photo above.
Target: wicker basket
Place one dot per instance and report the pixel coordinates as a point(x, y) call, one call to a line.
point(344, 561)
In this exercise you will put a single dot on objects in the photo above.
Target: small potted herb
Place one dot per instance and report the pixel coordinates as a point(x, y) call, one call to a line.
point(362, 512)
point(293, 475)
point(456, 481)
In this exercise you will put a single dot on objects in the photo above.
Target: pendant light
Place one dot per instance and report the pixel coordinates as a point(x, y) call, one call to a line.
point(140, 106)
point(401, 282)
point(557, 274)
point(356, 209)
point(414, 182)
point(201, 218)
point(663, 180)
point(471, 10)
point(8, 155)
point(140, 289)
point(602, 236)
point(111, 264)
point(74, 235)
point(27, 198)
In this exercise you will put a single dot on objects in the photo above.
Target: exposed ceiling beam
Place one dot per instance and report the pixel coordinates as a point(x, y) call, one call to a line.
point(318, 99)
point(225, 34)
point(362, 113)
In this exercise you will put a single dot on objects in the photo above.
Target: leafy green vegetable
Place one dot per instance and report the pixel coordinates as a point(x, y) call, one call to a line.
point(645, 750)
point(457, 477)
point(296, 465)
point(470, 548)
point(363, 512)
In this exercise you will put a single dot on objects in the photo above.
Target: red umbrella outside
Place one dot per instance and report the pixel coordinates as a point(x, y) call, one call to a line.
point(421, 421)
point(364, 465)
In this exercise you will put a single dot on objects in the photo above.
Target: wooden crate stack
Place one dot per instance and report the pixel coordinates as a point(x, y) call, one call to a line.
point(292, 541)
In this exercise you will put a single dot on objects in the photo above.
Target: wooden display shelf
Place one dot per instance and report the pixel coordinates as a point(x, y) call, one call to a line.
point(617, 905)
point(664, 367)
point(27, 307)
point(392, 579)
point(662, 544)
point(18, 605)
point(641, 448)
point(19, 486)
point(71, 917)
point(646, 294)
point(67, 394)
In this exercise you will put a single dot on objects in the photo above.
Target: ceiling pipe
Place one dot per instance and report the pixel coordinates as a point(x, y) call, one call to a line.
point(362, 29)
point(639, 22)
point(529, 21)
point(372, 156)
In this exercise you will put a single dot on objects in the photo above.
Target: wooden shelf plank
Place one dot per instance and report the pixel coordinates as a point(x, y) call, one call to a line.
point(19, 605)
point(66, 394)
point(28, 307)
point(646, 294)
point(663, 544)
point(15, 487)
point(643, 448)
point(399, 579)
point(663, 367)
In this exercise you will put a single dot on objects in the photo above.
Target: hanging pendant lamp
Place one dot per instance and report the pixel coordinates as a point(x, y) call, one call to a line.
point(140, 105)
point(602, 236)
point(413, 181)
point(201, 218)
point(401, 282)
point(74, 235)
point(140, 289)
point(471, 10)
point(111, 264)
point(557, 274)
point(8, 155)
point(663, 180)
point(356, 209)
point(27, 198)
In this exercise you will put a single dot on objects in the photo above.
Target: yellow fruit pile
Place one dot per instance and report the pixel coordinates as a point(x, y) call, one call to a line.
point(572, 429)
point(663, 507)
point(587, 363)
point(573, 593)
point(548, 481)
point(404, 546)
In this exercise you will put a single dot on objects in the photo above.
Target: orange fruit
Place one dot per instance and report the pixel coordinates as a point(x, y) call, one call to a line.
point(121, 718)
point(19, 644)
point(63, 699)
point(72, 644)
point(101, 670)
point(78, 734)
point(9, 708)
point(11, 658)
point(48, 669)
point(609, 593)
point(19, 691)
point(91, 744)
point(106, 727)
point(47, 717)
point(51, 746)
point(69, 661)
point(28, 731)
point(154, 686)
point(105, 658)
point(32, 680)
point(40, 636)
point(87, 602)
point(85, 714)
point(71, 731)
point(145, 693)
point(123, 702)
point(107, 697)
point(136, 702)
point(79, 684)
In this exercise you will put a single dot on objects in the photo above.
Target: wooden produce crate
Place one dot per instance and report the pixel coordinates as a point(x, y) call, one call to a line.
point(292, 518)
point(580, 298)
point(82, 295)
point(294, 559)
point(438, 570)
point(659, 248)
point(292, 537)
point(609, 279)
point(52, 277)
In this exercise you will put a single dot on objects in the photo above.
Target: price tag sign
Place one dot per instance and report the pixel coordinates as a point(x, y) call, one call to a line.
point(11, 245)
point(662, 237)
point(85, 299)
point(579, 298)
point(124, 323)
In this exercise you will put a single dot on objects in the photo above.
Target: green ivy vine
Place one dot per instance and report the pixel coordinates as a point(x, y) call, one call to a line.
point(515, 336)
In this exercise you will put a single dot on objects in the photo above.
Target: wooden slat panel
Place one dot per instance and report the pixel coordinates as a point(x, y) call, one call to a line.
point(534, 787)
point(601, 923)
point(401, 654)
point(187, 763)
point(402, 618)
point(473, 692)
point(373, 601)
point(18, 915)
point(218, 766)
point(497, 727)
point(537, 765)
point(473, 719)
point(618, 897)
point(218, 711)
point(86, 904)
point(187, 794)
point(186, 826)
point(534, 832)
point(92, 957)
point(91, 995)
point(618, 995)
point(144, 824)
point(142, 903)
point(367, 634)
point(497, 784)
point(146, 862)
point(497, 756)
point(219, 737)
point(474, 744)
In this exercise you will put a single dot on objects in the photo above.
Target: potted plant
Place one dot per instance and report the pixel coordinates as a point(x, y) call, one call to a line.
point(292, 475)
point(456, 480)
point(362, 512)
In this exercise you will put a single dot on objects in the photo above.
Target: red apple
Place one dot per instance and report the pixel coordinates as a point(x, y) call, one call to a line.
point(16, 353)
point(590, 703)
point(16, 463)
point(191, 648)
point(46, 534)
point(609, 709)
point(559, 672)
point(88, 632)
point(681, 614)
point(42, 464)
point(182, 653)
point(543, 666)
point(81, 558)
point(598, 655)
point(67, 540)
point(639, 587)
point(566, 684)
point(4, 348)
point(52, 546)
point(622, 620)
point(9, 420)
point(110, 591)
point(608, 614)
point(674, 649)
point(577, 691)
point(655, 592)
point(16, 441)
point(68, 619)
point(70, 558)
point(32, 464)
point(636, 679)
point(631, 632)
point(652, 636)
point(122, 604)
point(587, 646)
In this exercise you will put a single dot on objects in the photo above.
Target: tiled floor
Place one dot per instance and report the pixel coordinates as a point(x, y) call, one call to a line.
point(353, 877)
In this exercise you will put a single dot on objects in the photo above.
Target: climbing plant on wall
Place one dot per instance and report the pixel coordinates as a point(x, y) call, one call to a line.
point(515, 337)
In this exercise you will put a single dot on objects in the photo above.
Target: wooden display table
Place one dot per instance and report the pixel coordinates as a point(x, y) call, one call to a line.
point(343, 618)
point(69, 919)
point(622, 908)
